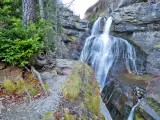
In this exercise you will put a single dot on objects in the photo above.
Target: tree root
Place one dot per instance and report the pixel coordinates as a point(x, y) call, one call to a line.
point(39, 78)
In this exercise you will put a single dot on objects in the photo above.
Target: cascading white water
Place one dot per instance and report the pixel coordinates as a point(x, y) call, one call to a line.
point(131, 115)
point(101, 51)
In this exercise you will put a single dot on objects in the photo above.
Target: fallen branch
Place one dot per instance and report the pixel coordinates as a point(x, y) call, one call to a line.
point(39, 78)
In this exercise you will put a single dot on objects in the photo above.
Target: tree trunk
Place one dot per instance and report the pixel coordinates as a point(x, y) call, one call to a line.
point(41, 4)
point(29, 14)
point(29, 11)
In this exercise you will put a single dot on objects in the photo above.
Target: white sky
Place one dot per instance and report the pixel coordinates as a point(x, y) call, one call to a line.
point(79, 7)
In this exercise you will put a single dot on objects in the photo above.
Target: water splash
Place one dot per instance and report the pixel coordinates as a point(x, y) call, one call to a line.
point(131, 115)
point(101, 51)
point(104, 111)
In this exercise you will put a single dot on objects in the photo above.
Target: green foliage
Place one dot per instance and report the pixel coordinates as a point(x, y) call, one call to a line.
point(33, 91)
point(17, 44)
point(69, 117)
point(8, 86)
point(48, 116)
point(20, 86)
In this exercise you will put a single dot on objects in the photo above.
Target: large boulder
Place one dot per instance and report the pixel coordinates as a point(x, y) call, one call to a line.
point(80, 93)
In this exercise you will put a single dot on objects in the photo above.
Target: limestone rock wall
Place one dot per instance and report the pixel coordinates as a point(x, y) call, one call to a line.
point(73, 30)
point(137, 21)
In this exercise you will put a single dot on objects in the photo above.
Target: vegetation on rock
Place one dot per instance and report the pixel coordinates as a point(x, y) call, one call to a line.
point(154, 104)
point(72, 87)
point(48, 116)
point(9, 86)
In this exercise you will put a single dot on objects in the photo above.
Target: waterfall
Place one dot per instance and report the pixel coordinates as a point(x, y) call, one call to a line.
point(101, 51)
point(131, 115)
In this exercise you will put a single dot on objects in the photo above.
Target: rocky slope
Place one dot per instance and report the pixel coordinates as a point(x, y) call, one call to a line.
point(73, 94)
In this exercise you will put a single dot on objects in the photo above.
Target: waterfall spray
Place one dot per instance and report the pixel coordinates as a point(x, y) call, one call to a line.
point(131, 115)
point(101, 51)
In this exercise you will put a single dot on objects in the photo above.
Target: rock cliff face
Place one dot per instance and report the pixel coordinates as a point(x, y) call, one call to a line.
point(74, 29)
point(140, 23)
point(137, 21)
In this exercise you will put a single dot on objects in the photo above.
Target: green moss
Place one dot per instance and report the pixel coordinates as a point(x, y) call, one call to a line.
point(83, 118)
point(20, 86)
point(48, 116)
point(153, 104)
point(33, 91)
point(69, 117)
point(72, 87)
point(92, 100)
point(8, 86)
point(138, 117)
point(73, 38)
point(46, 86)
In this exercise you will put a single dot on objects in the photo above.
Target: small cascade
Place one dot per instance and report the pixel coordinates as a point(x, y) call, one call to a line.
point(101, 51)
point(131, 115)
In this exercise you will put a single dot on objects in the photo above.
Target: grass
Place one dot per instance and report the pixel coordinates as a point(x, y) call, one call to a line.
point(8, 86)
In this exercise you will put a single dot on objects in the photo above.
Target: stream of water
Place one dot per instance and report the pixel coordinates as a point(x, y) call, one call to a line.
point(101, 51)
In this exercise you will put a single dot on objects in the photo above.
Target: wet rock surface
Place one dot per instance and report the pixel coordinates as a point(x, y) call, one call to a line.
point(137, 21)
point(122, 92)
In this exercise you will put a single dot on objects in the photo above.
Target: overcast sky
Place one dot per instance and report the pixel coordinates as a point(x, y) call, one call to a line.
point(80, 6)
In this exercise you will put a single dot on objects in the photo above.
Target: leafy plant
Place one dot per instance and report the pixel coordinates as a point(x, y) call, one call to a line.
point(17, 44)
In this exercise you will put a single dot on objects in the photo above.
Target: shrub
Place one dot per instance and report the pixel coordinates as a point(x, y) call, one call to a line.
point(17, 44)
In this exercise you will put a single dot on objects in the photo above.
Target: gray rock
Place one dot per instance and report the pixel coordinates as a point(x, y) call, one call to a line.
point(46, 76)
point(139, 13)
point(63, 63)
point(153, 62)
point(128, 2)
point(146, 40)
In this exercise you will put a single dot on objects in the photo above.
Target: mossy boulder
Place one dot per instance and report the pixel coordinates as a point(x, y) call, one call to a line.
point(81, 94)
